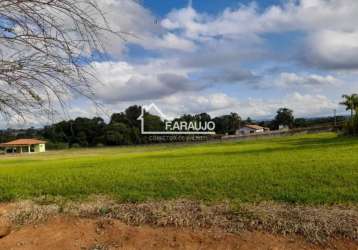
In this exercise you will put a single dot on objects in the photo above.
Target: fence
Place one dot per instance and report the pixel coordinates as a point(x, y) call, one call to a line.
point(315, 129)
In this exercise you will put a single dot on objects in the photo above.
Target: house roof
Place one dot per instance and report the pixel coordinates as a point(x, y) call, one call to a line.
point(257, 127)
point(23, 142)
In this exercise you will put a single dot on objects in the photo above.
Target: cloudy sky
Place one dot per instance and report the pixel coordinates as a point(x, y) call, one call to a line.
point(220, 56)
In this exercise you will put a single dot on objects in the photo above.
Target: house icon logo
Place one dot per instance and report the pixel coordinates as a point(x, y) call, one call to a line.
point(174, 127)
point(153, 109)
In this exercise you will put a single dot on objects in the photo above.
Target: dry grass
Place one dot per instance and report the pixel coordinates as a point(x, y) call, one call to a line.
point(316, 223)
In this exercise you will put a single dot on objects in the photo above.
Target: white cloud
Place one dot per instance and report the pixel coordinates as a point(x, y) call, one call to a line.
point(194, 103)
point(306, 15)
point(172, 41)
point(218, 45)
point(123, 16)
point(186, 19)
point(307, 80)
point(139, 26)
point(302, 105)
point(329, 26)
point(212, 43)
point(122, 81)
point(220, 103)
point(333, 49)
point(215, 47)
point(310, 105)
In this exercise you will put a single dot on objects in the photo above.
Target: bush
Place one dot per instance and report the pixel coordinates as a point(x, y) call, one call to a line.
point(351, 126)
point(75, 145)
point(57, 145)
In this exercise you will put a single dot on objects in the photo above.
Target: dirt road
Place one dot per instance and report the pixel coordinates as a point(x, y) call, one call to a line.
point(71, 233)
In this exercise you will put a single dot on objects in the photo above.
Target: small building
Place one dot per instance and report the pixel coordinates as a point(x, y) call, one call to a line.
point(24, 146)
point(283, 128)
point(252, 129)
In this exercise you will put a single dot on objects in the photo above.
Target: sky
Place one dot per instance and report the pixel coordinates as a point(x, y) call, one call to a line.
point(222, 56)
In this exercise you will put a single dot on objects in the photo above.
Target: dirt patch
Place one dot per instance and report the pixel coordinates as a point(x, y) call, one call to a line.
point(69, 233)
point(181, 224)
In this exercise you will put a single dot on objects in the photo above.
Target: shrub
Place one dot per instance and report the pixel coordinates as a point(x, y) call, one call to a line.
point(75, 145)
point(57, 145)
point(351, 126)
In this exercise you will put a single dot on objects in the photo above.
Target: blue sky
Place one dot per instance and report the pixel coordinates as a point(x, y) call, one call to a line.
point(248, 57)
point(161, 8)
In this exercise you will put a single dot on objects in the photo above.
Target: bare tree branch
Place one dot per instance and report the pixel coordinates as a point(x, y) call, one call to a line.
point(45, 46)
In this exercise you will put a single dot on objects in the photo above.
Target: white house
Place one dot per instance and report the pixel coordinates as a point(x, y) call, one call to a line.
point(24, 146)
point(251, 129)
point(283, 128)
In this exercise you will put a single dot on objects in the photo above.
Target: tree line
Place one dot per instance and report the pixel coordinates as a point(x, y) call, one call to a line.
point(124, 128)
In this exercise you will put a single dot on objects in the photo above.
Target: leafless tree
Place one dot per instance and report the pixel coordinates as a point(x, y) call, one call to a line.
point(44, 48)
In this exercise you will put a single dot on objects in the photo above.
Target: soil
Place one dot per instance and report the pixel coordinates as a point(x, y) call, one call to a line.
point(71, 233)
point(102, 224)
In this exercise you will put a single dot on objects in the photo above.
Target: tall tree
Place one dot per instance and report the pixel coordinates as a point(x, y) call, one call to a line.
point(118, 134)
point(204, 117)
point(132, 114)
point(235, 120)
point(284, 117)
point(351, 103)
point(227, 124)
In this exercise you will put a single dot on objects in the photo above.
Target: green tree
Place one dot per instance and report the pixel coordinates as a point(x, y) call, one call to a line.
point(285, 117)
point(204, 117)
point(234, 122)
point(153, 122)
point(132, 114)
point(118, 134)
point(227, 123)
point(300, 122)
point(119, 118)
point(248, 121)
point(351, 103)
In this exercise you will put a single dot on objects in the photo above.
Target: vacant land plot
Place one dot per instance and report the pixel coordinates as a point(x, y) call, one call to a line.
point(321, 168)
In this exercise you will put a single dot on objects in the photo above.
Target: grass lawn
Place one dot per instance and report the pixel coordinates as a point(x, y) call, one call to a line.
point(319, 168)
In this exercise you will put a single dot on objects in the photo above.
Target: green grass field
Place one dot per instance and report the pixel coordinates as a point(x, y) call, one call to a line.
point(319, 168)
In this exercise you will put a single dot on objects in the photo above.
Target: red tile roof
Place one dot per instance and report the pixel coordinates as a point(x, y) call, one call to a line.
point(23, 142)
